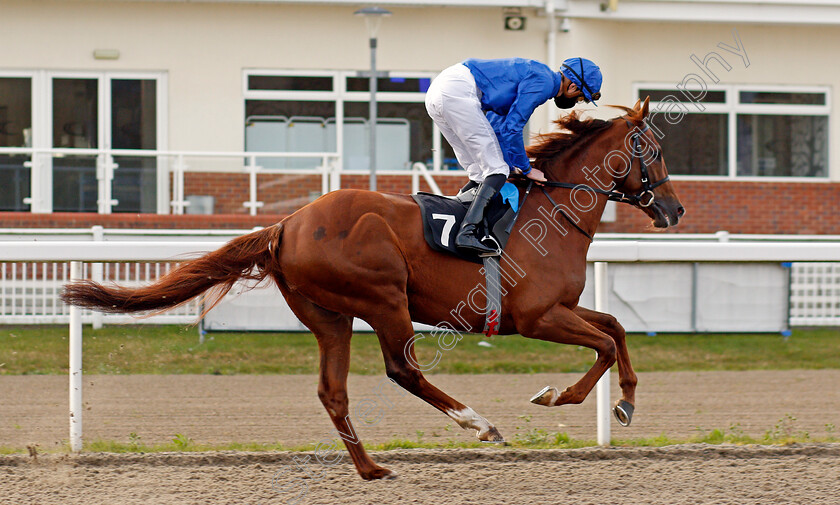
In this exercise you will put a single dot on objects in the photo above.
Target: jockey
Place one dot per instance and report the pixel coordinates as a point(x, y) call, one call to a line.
point(482, 106)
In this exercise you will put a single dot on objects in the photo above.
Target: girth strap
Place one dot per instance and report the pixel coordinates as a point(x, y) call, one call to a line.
point(492, 272)
point(493, 311)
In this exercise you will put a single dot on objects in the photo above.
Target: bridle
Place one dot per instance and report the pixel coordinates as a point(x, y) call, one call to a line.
point(643, 198)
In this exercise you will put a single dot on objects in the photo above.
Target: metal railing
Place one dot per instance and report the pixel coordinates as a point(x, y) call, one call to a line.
point(175, 165)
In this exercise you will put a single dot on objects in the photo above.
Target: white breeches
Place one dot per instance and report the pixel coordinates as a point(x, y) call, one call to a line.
point(452, 102)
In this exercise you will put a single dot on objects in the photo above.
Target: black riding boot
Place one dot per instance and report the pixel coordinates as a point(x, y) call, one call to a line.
point(468, 186)
point(467, 237)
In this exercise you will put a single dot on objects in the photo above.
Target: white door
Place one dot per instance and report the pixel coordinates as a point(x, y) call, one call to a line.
point(87, 116)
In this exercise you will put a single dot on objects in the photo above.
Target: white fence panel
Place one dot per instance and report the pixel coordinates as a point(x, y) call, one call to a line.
point(651, 297)
point(815, 294)
point(696, 297)
point(749, 297)
point(29, 292)
point(260, 309)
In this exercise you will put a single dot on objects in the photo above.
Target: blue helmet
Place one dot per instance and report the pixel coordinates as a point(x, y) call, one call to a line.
point(585, 74)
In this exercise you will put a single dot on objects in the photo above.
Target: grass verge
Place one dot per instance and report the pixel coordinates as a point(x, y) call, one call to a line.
point(533, 439)
point(146, 349)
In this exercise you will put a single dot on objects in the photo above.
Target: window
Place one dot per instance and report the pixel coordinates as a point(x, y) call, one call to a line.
point(300, 111)
point(782, 145)
point(399, 84)
point(75, 121)
point(15, 131)
point(134, 106)
point(289, 83)
point(742, 131)
point(287, 126)
point(128, 121)
point(697, 145)
point(58, 131)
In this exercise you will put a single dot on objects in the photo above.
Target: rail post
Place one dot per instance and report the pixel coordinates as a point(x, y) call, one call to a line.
point(75, 366)
point(603, 386)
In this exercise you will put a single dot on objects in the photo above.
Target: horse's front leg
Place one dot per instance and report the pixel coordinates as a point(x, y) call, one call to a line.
point(627, 380)
point(560, 324)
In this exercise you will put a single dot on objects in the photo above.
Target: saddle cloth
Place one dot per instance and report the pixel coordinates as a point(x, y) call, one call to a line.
point(442, 217)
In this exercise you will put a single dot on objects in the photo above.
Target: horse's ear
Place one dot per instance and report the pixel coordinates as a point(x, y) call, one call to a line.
point(639, 101)
point(646, 107)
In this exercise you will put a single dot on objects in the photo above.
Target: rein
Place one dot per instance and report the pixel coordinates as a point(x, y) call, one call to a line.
point(644, 198)
point(560, 209)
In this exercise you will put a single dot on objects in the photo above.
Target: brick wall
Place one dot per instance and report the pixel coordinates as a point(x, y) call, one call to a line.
point(144, 221)
point(401, 184)
point(281, 194)
point(746, 207)
point(738, 207)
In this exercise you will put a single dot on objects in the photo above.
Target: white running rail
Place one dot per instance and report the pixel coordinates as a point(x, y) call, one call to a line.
point(78, 252)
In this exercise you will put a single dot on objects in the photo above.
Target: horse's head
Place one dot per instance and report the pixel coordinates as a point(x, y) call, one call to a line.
point(645, 180)
point(619, 158)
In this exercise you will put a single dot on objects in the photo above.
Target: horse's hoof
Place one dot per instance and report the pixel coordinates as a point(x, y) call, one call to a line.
point(492, 436)
point(380, 473)
point(623, 412)
point(546, 396)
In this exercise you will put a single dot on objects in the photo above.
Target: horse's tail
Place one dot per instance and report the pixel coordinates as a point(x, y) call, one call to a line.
point(252, 256)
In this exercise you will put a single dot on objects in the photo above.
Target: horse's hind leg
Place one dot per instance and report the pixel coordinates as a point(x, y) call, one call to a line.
point(626, 376)
point(395, 337)
point(559, 324)
point(333, 332)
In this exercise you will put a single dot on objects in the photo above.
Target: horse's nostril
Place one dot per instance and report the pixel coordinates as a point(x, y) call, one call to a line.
point(681, 211)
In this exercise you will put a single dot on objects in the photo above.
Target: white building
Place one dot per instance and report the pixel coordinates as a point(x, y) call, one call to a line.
point(85, 77)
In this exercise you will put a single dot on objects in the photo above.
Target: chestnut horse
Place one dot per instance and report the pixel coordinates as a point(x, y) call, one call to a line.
point(362, 254)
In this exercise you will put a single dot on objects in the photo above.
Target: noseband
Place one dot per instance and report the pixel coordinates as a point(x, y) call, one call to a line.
point(644, 198)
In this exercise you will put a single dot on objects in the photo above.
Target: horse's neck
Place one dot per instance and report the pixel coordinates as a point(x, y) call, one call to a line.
point(587, 206)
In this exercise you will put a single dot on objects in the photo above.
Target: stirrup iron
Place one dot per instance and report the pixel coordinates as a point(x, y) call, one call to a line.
point(497, 252)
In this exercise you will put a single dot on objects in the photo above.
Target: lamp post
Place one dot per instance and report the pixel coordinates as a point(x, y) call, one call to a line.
point(373, 18)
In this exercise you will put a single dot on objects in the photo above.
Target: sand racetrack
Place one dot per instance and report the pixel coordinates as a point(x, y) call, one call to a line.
point(285, 409)
point(687, 474)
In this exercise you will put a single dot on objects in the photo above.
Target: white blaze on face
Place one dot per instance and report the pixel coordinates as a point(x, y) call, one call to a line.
point(467, 418)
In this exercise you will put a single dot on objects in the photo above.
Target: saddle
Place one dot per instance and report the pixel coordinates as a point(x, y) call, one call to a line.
point(442, 217)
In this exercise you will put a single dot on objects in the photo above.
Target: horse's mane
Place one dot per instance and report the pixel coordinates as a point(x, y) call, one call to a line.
point(572, 134)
